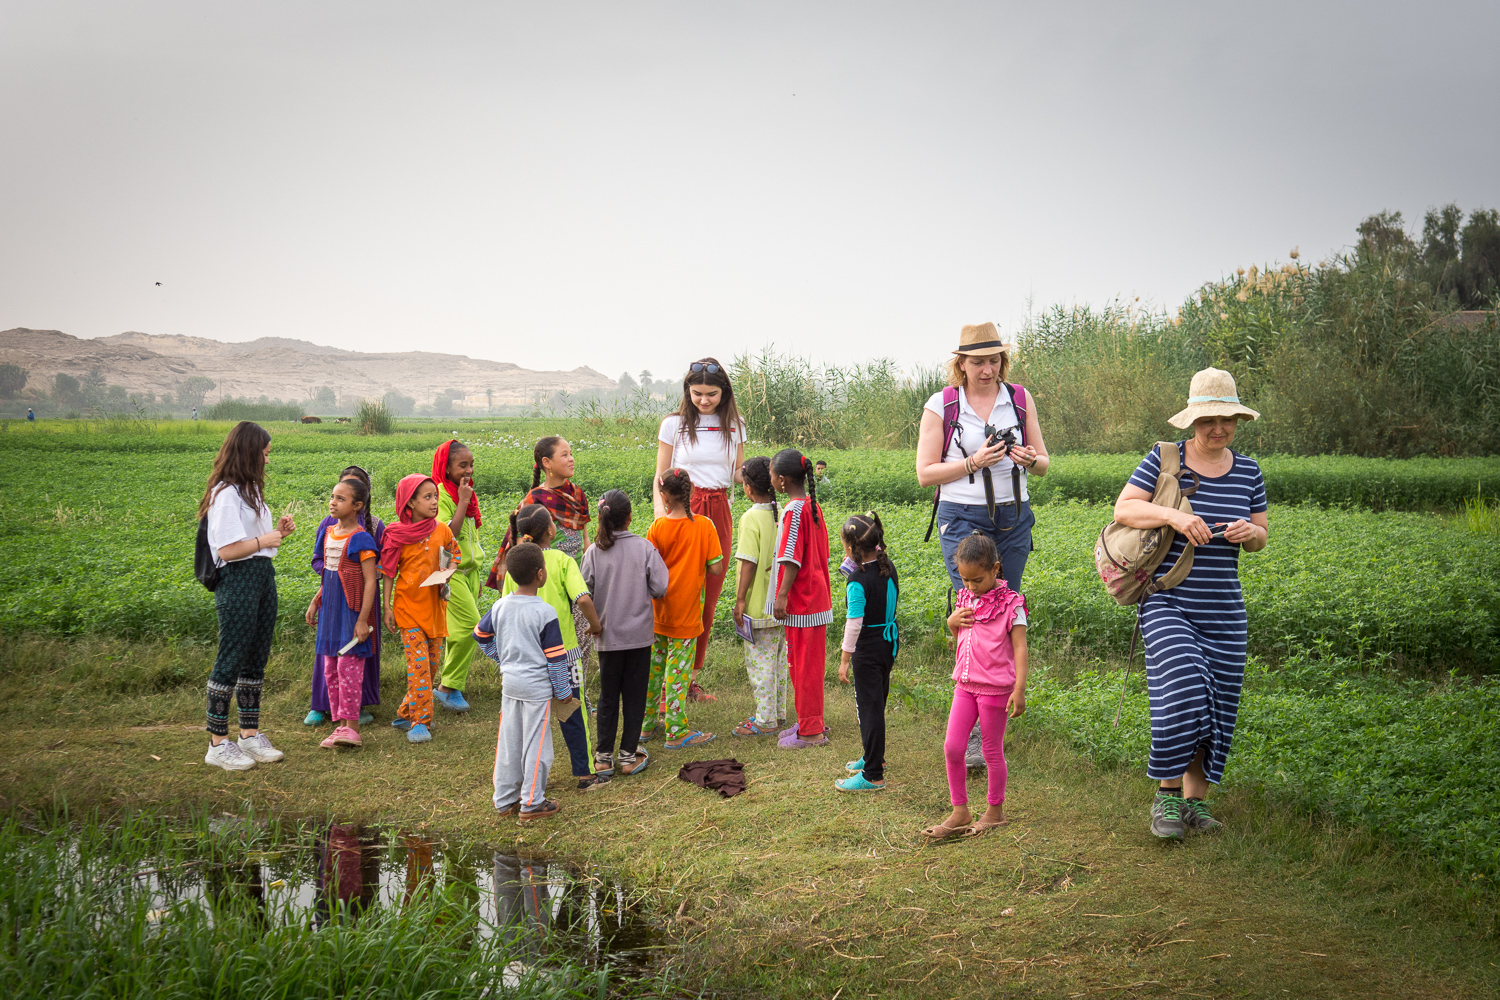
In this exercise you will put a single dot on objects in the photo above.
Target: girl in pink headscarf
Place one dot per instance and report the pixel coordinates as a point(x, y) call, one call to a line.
point(989, 673)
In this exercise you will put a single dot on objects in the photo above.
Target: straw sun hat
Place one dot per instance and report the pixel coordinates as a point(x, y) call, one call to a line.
point(1212, 394)
point(983, 339)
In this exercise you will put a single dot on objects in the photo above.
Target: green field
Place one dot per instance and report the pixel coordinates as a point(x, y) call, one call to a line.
point(1374, 618)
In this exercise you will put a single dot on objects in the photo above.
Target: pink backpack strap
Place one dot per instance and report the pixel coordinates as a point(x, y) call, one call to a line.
point(950, 416)
point(1019, 398)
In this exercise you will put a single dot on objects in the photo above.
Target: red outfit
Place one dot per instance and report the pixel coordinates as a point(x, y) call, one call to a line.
point(714, 505)
point(803, 543)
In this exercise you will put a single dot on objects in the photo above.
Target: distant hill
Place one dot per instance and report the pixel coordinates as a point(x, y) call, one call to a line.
point(283, 369)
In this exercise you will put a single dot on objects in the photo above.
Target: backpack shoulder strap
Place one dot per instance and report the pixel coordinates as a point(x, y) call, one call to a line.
point(950, 416)
point(1018, 399)
point(1171, 463)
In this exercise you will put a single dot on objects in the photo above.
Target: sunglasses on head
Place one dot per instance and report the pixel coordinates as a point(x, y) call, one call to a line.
point(704, 366)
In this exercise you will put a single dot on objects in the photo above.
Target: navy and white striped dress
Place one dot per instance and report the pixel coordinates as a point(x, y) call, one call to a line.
point(1195, 633)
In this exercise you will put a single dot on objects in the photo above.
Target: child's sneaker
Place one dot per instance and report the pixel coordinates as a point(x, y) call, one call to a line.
point(1196, 817)
point(366, 717)
point(593, 782)
point(419, 734)
point(229, 756)
point(259, 749)
point(855, 766)
point(857, 783)
point(453, 701)
point(604, 763)
point(315, 718)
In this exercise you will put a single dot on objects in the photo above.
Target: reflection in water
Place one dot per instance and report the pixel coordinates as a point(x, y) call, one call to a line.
point(545, 904)
point(348, 873)
point(549, 907)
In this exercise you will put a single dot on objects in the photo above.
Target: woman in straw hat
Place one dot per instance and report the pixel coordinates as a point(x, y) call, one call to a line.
point(982, 485)
point(1195, 633)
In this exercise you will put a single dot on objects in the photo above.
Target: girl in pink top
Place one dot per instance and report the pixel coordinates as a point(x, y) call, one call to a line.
point(989, 626)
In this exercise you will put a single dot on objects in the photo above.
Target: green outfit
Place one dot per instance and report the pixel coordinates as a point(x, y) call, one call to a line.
point(671, 675)
point(562, 590)
point(463, 599)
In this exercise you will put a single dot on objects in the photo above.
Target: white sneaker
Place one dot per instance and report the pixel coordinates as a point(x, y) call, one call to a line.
point(259, 748)
point(229, 756)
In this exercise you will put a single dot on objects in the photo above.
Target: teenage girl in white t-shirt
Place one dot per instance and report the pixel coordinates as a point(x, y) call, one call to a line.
point(706, 439)
point(243, 543)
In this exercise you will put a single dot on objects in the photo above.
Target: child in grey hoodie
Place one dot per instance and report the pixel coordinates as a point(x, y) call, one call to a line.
point(623, 572)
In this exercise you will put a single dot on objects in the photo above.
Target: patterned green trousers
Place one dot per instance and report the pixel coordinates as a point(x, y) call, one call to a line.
point(246, 602)
point(671, 675)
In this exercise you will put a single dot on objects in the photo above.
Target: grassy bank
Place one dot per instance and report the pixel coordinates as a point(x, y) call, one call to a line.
point(791, 890)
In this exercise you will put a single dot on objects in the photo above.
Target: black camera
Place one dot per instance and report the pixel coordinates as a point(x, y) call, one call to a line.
point(993, 436)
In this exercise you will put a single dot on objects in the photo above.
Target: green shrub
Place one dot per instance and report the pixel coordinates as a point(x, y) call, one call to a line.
point(245, 409)
point(374, 417)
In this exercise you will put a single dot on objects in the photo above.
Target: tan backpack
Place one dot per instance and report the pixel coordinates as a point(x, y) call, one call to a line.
point(1127, 557)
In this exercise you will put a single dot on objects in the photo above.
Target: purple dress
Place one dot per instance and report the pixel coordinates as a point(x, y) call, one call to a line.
point(370, 694)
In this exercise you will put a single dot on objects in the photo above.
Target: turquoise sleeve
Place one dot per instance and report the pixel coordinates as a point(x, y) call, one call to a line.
point(854, 594)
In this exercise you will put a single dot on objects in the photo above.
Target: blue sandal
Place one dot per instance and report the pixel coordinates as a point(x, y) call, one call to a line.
point(692, 739)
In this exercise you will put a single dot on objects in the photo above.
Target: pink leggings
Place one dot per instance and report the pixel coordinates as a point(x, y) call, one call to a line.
point(346, 678)
point(989, 709)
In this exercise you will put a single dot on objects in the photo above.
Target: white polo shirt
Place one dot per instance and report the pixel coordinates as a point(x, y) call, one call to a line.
point(970, 434)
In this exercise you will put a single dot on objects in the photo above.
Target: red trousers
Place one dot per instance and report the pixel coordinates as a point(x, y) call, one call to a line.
point(805, 652)
point(714, 505)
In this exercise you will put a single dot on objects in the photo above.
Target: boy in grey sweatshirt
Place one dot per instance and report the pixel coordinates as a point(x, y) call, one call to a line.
point(521, 634)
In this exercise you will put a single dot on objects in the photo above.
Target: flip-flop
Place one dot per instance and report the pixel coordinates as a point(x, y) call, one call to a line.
point(941, 832)
point(750, 728)
point(978, 829)
point(692, 739)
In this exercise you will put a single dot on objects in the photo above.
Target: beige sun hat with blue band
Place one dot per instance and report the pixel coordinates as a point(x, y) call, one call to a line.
point(983, 339)
point(1212, 394)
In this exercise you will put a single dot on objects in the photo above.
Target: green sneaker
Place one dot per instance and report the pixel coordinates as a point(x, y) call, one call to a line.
point(1166, 817)
point(1196, 816)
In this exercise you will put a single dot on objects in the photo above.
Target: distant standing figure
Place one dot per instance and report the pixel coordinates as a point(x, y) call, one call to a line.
point(243, 543)
point(705, 438)
point(30, 414)
point(1195, 633)
point(195, 413)
point(821, 470)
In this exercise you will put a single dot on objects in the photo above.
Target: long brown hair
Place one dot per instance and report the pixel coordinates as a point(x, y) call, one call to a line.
point(241, 463)
point(728, 413)
point(614, 514)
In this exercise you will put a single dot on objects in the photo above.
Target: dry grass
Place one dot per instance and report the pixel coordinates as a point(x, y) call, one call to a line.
point(791, 889)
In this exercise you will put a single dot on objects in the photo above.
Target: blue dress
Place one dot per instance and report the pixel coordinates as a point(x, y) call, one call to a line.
point(371, 693)
point(336, 619)
point(1195, 633)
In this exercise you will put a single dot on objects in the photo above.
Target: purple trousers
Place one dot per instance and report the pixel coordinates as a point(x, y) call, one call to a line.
point(369, 694)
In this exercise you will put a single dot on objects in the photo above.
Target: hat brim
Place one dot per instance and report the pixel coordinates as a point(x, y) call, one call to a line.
point(985, 350)
point(1184, 418)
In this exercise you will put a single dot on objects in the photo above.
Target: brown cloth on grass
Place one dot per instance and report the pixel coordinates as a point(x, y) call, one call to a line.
point(727, 777)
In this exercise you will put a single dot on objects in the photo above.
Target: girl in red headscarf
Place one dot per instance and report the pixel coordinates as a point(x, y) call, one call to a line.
point(458, 508)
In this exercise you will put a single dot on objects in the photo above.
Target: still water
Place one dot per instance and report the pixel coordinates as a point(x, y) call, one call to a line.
point(550, 907)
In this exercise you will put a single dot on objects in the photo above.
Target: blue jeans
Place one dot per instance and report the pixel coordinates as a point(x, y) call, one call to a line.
point(1012, 535)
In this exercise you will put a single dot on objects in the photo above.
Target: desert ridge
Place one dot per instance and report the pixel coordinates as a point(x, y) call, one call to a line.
point(282, 368)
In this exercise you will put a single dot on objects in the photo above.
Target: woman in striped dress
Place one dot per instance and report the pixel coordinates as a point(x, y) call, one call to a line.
point(1195, 633)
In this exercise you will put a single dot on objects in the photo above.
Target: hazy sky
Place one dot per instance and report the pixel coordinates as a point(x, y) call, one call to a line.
point(634, 185)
